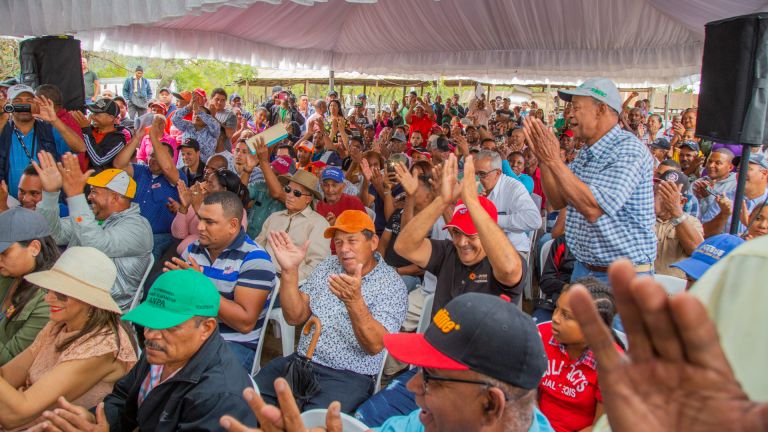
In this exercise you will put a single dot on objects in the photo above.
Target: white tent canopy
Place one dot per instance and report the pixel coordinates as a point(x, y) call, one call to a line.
point(634, 42)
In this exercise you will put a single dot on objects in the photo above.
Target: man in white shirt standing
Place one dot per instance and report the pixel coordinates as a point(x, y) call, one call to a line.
point(517, 211)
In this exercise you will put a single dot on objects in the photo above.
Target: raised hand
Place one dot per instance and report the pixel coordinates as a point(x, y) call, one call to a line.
point(262, 151)
point(449, 187)
point(409, 182)
point(542, 141)
point(670, 197)
point(158, 127)
point(173, 206)
point(47, 110)
point(197, 195)
point(185, 195)
point(469, 183)
point(287, 418)
point(366, 169)
point(3, 196)
point(347, 288)
point(287, 254)
point(49, 174)
point(725, 204)
point(675, 375)
point(73, 180)
point(80, 118)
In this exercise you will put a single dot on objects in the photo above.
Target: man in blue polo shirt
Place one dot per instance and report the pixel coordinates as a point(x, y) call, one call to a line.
point(241, 270)
point(155, 183)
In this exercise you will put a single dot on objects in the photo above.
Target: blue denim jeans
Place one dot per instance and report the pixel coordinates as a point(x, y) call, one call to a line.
point(161, 243)
point(580, 270)
point(243, 353)
point(349, 388)
point(411, 282)
point(392, 401)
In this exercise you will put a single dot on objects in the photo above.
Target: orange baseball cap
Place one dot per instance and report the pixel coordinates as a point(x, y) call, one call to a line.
point(185, 95)
point(351, 221)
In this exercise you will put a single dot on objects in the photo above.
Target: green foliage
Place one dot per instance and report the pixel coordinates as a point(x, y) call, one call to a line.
point(188, 74)
point(9, 58)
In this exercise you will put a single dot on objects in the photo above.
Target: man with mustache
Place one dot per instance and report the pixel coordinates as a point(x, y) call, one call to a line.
point(186, 378)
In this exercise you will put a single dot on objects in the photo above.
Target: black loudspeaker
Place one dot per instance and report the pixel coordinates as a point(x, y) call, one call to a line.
point(733, 100)
point(54, 60)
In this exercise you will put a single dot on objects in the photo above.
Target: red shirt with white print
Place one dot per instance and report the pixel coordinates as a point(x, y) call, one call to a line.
point(568, 391)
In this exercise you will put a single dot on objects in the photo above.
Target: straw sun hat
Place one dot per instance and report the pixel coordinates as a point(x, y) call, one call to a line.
point(83, 273)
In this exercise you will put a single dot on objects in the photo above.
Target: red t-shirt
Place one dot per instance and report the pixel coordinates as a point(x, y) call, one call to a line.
point(538, 189)
point(422, 124)
point(568, 391)
point(346, 202)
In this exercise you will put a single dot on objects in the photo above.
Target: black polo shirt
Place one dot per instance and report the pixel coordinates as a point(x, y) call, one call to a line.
point(454, 278)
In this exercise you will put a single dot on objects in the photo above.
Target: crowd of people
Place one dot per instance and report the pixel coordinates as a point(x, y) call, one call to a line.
point(137, 297)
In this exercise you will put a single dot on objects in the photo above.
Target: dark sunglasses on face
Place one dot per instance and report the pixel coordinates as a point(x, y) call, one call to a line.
point(297, 193)
point(60, 297)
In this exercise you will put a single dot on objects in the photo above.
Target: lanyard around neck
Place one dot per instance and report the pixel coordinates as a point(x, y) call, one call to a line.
point(30, 154)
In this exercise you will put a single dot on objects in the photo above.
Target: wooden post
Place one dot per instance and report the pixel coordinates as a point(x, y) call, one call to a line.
point(306, 84)
point(265, 94)
point(341, 96)
point(666, 106)
point(247, 92)
point(421, 90)
point(330, 80)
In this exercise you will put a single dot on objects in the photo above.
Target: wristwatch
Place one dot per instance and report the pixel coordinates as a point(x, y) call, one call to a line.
point(678, 220)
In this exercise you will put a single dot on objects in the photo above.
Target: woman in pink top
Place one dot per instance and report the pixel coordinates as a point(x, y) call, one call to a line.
point(184, 226)
point(80, 353)
point(145, 148)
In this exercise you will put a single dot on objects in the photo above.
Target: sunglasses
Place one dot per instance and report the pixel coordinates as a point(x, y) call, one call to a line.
point(297, 193)
point(59, 296)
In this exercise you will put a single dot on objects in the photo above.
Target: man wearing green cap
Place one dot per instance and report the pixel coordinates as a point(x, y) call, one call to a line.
point(186, 379)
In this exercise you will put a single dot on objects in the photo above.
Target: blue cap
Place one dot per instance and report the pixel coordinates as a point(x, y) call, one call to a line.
point(333, 173)
point(708, 254)
point(758, 159)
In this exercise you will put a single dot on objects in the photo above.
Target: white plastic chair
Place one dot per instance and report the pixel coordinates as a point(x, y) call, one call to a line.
point(257, 356)
point(533, 237)
point(316, 419)
point(381, 372)
point(426, 314)
point(285, 331)
point(673, 285)
point(543, 254)
point(140, 290)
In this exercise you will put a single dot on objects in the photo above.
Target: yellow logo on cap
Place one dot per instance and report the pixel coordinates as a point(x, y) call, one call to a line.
point(443, 321)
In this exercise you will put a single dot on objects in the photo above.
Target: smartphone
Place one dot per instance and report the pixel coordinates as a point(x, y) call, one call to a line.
point(710, 190)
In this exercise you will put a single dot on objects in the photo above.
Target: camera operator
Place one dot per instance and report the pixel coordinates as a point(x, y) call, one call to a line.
point(30, 127)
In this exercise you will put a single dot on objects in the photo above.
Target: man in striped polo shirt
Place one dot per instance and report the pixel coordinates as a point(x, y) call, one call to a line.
point(241, 270)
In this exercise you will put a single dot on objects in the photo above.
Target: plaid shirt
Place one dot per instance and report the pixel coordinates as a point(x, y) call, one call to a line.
point(587, 357)
point(618, 170)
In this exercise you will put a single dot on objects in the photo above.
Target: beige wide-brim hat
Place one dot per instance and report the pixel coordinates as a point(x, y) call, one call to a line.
point(83, 273)
point(304, 178)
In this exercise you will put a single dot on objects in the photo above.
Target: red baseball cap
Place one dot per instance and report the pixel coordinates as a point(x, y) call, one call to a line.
point(568, 133)
point(463, 221)
point(282, 164)
point(201, 93)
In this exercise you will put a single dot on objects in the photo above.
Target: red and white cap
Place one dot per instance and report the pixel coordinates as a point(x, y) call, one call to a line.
point(463, 221)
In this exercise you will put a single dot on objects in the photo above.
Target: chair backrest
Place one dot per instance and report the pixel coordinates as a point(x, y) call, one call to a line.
point(426, 314)
point(316, 419)
point(537, 200)
point(672, 285)
point(263, 335)
point(381, 371)
point(544, 253)
point(140, 290)
point(371, 212)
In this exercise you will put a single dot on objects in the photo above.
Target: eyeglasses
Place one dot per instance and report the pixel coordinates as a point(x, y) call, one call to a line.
point(484, 174)
point(297, 193)
point(427, 377)
point(59, 296)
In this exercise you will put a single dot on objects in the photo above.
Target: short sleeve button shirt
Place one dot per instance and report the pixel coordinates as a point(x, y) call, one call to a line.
point(618, 170)
point(387, 298)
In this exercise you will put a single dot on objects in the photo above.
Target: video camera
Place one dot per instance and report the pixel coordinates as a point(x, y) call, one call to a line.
point(11, 108)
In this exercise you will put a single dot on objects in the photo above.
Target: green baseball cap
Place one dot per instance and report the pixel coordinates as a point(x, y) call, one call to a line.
point(175, 297)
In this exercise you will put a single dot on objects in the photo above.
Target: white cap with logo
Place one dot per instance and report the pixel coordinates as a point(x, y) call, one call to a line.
point(15, 90)
point(601, 89)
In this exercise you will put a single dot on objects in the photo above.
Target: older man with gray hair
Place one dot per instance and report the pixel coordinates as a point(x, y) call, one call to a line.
point(517, 211)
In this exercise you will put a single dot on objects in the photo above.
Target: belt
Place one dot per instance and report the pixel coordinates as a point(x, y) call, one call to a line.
point(640, 268)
